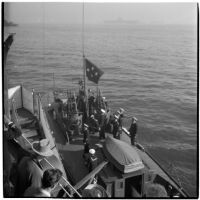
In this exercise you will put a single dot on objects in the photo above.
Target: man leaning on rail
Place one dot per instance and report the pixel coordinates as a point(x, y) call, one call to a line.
point(49, 181)
point(29, 169)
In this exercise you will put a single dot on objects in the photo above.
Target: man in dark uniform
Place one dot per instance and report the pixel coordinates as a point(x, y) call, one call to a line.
point(93, 161)
point(12, 152)
point(49, 181)
point(29, 168)
point(133, 130)
point(91, 102)
point(121, 116)
point(86, 152)
point(85, 133)
point(93, 124)
point(102, 124)
point(115, 127)
point(108, 117)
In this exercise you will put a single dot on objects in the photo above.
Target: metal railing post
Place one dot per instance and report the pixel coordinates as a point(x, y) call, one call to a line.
point(22, 94)
point(33, 95)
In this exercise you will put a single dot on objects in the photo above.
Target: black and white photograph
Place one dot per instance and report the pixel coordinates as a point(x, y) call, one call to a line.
point(100, 99)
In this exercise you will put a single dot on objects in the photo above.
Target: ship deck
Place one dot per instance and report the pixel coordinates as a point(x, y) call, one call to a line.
point(71, 153)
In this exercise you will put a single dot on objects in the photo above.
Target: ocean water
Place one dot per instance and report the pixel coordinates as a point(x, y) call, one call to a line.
point(150, 71)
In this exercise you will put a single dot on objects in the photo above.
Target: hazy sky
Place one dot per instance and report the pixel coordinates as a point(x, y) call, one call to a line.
point(165, 13)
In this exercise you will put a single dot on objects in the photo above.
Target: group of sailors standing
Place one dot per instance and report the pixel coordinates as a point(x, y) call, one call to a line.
point(102, 122)
point(97, 118)
point(111, 123)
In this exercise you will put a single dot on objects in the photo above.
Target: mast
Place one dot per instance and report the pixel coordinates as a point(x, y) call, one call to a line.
point(53, 86)
point(84, 64)
point(84, 67)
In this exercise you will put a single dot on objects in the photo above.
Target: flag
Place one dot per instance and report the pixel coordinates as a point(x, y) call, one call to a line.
point(93, 72)
point(7, 44)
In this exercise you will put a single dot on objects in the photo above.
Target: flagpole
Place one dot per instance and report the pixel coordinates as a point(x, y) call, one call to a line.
point(84, 67)
point(97, 95)
point(84, 63)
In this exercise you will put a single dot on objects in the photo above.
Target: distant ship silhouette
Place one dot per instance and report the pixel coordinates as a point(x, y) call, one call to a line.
point(7, 23)
point(122, 21)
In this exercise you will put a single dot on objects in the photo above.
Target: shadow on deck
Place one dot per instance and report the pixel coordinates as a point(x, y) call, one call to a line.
point(72, 152)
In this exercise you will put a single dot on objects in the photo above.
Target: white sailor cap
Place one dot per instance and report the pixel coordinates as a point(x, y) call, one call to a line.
point(103, 111)
point(134, 118)
point(85, 125)
point(92, 151)
point(103, 98)
point(116, 117)
point(92, 116)
point(121, 110)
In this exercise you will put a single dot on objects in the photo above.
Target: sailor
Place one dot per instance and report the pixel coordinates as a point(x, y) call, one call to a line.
point(121, 110)
point(117, 113)
point(102, 124)
point(29, 168)
point(85, 133)
point(108, 121)
point(121, 116)
point(91, 102)
point(105, 102)
point(133, 130)
point(11, 151)
point(93, 125)
point(115, 127)
point(11, 130)
point(49, 181)
point(108, 114)
point(86, 152)
point(93, 161)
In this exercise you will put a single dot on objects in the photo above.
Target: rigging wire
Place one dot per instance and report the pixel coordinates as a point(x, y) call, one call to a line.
point(43, 38)
point(83, 51)
point(83, 16)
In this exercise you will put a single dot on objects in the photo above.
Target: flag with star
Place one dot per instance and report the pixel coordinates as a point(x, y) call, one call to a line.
point(92, 72)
